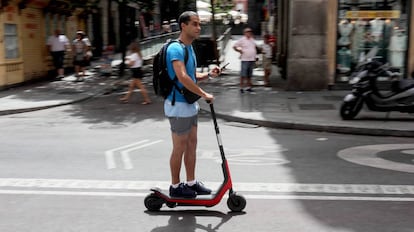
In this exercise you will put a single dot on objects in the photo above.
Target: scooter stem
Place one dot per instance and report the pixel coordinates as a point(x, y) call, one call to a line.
point(216, 128)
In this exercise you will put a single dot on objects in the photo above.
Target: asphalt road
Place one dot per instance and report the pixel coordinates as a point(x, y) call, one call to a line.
point(88, 167)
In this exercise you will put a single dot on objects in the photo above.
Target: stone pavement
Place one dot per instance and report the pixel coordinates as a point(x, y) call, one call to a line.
point(268, 107)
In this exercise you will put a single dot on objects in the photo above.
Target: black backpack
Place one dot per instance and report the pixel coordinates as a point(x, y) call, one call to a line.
point(162, 83)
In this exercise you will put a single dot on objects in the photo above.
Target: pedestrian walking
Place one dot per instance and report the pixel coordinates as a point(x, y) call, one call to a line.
point(57, 44)
point(80, 47)
point(107, 58)
point(134, 61)
point(182, 115)
point(246, 46)
point(267, 51)
point(88, 54)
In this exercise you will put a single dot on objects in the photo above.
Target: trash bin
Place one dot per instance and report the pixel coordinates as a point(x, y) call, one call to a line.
point(205, 48)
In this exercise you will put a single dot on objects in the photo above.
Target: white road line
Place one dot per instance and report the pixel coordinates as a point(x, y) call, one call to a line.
point(367, 155)
point(78, 184)
point(249, 196)
point(326, 198)
point(126, 159)
point(109, 155)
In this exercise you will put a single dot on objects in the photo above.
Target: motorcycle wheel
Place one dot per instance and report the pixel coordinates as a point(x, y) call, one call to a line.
point(349, 110)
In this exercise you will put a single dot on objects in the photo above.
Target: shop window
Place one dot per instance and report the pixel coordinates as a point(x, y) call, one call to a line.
point(11, 41)
point(363, 25)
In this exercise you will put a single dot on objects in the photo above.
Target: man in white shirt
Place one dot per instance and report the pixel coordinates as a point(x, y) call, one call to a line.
point(57, 44)
point(246, 46)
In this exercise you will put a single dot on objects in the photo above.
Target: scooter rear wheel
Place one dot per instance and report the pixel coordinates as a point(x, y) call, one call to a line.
point(350, 109)
point(236, 203)
point(153, 202)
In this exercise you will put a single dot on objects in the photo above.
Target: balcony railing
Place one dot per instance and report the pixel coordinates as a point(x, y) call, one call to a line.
point(150, 46)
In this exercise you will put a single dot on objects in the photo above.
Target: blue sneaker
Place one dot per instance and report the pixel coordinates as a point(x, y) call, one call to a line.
point(199, 188)
point(182, 191)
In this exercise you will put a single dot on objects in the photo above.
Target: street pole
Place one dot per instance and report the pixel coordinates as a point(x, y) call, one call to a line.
point(122, 33)
point(214, 33)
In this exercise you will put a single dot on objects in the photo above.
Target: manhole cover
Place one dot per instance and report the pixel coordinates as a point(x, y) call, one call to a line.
point(106, 126)
point(316, 107)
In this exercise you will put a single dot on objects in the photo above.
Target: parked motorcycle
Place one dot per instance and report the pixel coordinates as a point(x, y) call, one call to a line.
point(364, 90)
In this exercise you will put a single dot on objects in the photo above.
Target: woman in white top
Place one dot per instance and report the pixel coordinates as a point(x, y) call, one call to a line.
point(134, 61)
point(267, 59)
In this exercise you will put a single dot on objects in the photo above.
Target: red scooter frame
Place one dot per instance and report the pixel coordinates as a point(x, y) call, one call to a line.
point(235, 202)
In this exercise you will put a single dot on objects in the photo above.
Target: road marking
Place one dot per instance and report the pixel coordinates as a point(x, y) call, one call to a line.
point(109, 155)
point(367, 155)
point(124, 151)
point(248, 196)
point(78, 185)
point(126, 159)
point(326, 198)
point(257, 156)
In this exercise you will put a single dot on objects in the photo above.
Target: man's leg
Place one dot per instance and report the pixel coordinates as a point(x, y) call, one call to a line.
point(190, 164)
point(178, 189)
point(190, 154)
point(61, 61)
point(250, 75)
point(61, 72)
point(242, 76)
point(179, 147)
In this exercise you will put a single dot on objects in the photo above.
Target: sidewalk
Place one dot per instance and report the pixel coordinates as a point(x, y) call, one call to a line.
point(315, 110)
point(268, 107)
point(49, 94)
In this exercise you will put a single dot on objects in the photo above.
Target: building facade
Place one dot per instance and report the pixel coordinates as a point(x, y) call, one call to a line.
point(25, 26)
point(320, 42)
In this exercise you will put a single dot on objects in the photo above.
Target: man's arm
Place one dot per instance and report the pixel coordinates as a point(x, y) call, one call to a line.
point(207, 75)
point(237, 47)
point(68, 45)
point(186, 80)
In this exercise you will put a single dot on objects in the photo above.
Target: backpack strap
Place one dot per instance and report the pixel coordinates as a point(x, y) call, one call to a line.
point(175, 79)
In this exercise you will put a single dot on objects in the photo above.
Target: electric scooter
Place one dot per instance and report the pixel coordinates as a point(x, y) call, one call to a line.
point(364, 90)
point(235, 202)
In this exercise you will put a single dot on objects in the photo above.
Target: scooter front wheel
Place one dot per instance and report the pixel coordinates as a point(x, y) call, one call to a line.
point(153, 202)
point(350, 109)
point(236, 203)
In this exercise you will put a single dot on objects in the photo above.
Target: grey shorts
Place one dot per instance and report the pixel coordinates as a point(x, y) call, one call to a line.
point(181, 126)
point(247, 68)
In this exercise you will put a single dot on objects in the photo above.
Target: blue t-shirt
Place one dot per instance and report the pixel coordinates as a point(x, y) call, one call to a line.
point(181, 108)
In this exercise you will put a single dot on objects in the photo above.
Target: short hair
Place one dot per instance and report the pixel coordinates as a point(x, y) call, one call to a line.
point(247, 29)
point(185, 17)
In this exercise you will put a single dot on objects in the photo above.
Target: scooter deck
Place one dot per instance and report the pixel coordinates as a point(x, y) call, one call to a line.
point(166, 195)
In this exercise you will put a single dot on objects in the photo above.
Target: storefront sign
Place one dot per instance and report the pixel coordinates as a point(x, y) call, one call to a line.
point(363, 14)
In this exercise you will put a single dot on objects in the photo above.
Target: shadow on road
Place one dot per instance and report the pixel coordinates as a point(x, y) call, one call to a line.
point(186, 220)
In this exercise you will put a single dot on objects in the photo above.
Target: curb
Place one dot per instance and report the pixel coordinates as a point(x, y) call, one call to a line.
point(315, 127)
point(25, 110)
